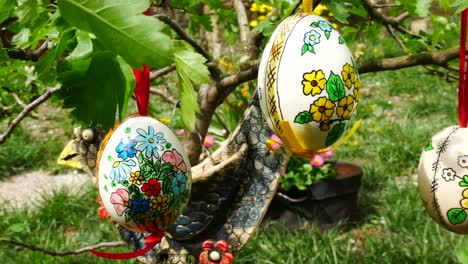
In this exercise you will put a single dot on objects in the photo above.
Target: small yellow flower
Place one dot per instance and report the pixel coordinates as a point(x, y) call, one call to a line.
point(253, 23)
point(353, 143)
point(314, 82)
point(322, 109)
point(320, 9)
point(465, 193)
point(464, 203)
point(164, 120)
point(253, 7)
point(349, 77)
point(136, 178)
point(357, 90)
point(245, 92)
point(159, 203)
point(260, 18)
point(345, 107)
point(373, 107)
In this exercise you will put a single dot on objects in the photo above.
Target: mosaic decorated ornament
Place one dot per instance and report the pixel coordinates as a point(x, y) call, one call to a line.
point(443, 178)
point(143, 175)
point(308, 83)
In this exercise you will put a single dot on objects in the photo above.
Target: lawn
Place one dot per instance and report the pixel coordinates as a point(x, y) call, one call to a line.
point(400, 110)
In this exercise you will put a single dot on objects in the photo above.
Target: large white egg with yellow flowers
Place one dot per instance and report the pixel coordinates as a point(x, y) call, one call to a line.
point(308, 83)
point(143, 175)
point(443, 178)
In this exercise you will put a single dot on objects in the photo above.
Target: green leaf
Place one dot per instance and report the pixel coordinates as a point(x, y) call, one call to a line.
point(327, 34)
point(429, 146)
point(314, 24)
point(305, 48)
point(463, 184)
point(417, 7)
point(462, 5)
point(303, 118)
point(335, 88)
point(311, 49)
point(192, 64)
point(84, 47)
point(190, 68)
point(456, 216)
point(335, 134)
point(120, 27)
point(339, 10)
point(95, 92)
point(341, 40)
point(6, 8)
point(17, 228)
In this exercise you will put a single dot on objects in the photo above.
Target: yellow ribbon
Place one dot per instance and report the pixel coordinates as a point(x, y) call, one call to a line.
point(293, 146)
point(308, 6)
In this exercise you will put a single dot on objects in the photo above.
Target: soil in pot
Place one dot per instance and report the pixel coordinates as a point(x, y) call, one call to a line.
point(325, 202)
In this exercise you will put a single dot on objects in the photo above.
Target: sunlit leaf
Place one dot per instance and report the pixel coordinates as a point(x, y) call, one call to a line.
point(120, 27)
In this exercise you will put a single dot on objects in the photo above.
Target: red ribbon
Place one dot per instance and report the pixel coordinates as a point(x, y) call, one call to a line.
point(150, 241)
point(463, 74)
point(142, 88)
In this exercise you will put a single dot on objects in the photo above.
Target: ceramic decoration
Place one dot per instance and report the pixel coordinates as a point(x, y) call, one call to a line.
point(143, 175)
point(308, 78)
point(443, 178)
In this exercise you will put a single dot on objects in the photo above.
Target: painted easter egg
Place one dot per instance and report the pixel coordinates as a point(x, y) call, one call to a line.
point(443, 178)
point(308, 83)
point(143, 175)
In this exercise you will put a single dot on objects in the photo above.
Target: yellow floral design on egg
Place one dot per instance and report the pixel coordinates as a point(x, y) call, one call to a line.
point(314, 82)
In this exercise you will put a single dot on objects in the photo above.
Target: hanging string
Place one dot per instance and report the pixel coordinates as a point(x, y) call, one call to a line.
point(463, 75)
point(308, 6)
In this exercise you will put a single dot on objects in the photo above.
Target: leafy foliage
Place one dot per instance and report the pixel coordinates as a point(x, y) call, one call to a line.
point(190, 68)
point(120, 27)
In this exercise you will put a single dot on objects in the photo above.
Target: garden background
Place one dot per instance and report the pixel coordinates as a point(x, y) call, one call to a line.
point(407, 52)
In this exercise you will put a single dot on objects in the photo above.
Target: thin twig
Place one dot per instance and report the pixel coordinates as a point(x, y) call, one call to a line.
point(182, 34)
point(162, 72)
point(386, 20)
point(397, 39)
point(63, 253)
point(215, 72)
point(164, 94)
point(38, 101)
point(18, 100)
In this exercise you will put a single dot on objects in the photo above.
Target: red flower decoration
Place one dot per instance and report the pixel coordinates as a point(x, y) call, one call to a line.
point(152, 188)
point(216, 253)
point(103, 214)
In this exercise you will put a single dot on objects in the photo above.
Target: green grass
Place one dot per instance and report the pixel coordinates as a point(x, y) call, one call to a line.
point(60, 222)
point(23, 151)
point(400, 111)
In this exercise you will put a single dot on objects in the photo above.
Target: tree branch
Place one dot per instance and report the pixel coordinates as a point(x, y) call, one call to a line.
point(440, 58)
point(164, 94)
point(162, 72)
point(63, 253)
point(182, 34)
point(26, 110)
point(215, 72)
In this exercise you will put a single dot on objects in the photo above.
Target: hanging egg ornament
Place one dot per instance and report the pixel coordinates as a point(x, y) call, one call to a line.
point(308, 83)
point(443, 178)
point(143, 175)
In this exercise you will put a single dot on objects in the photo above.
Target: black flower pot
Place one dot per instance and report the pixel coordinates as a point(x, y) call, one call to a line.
point(325, 202)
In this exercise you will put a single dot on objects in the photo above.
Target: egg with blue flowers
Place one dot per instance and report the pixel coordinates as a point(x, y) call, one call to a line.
point(308, 83)
point(143, 175)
